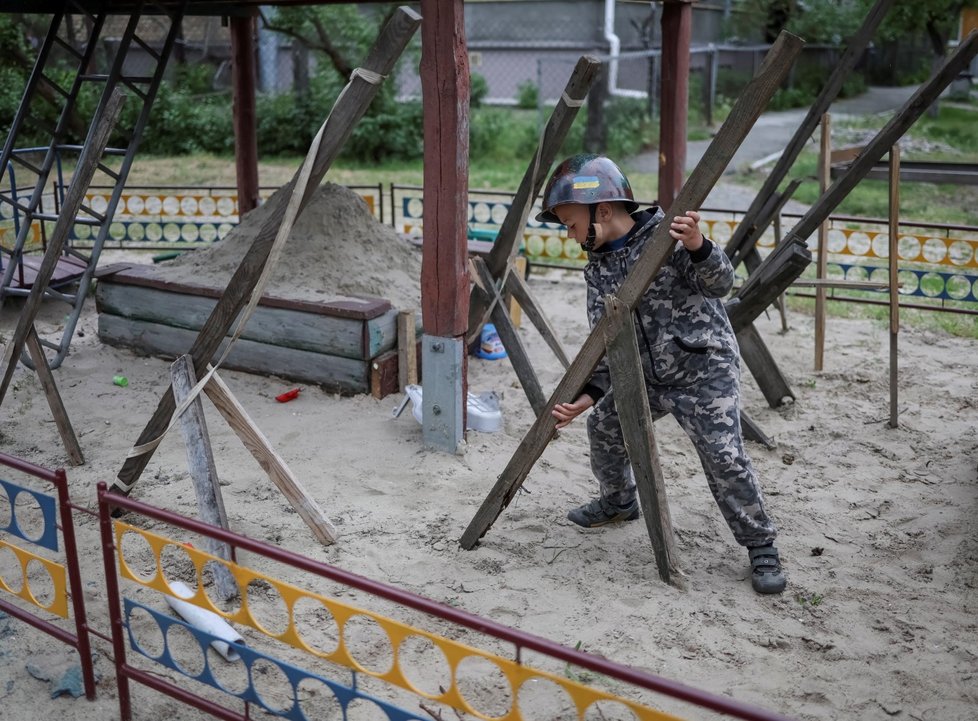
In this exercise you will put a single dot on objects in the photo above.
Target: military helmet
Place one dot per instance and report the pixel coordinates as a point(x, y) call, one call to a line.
point(586, 179)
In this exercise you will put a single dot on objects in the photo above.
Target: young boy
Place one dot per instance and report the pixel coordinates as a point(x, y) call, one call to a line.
point(689, 354)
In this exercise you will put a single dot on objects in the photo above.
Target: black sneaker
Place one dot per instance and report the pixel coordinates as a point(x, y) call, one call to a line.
point(766, 573)
point(601, 511)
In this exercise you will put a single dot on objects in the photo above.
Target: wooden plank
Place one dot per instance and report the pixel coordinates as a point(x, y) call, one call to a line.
point(631, 402)
point(407, 348)
point(762, 366)
point(95, 143)
point(203, 473)
point(510, 233)
point(767, 283)
point(515, 350)
point(749, 226)
point(753, 432)
point(336, 374)
point(881, 143)
point(256, 442)
point(445, 88)
point(384, 373)
point(343, 306)
point(751, 102)
point(516, 284)
point(68, 438)
point(349, 108)
point(318, 333)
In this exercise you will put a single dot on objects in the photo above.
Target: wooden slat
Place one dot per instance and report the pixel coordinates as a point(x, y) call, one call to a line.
point(762, 366)
point(516, 284)
point(822, 263)
point(318, 333)
point(256, 442)
point(894, 282)
point(631, 401)
point(336, 374)
point(350, 107)
point(203, 473)
point(731, 134)
point(407, 348)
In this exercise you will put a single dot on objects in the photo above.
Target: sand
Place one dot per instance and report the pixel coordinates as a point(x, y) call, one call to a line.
point(878, 525)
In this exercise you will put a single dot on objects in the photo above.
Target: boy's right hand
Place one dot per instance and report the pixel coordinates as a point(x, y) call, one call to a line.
point(566, 412)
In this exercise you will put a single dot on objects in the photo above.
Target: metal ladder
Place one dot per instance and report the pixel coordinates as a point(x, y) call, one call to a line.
point(59, 50)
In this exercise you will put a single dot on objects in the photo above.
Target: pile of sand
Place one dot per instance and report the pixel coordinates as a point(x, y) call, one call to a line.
point(337, 248)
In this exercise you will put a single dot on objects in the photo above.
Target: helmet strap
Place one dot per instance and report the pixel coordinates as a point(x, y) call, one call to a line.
point(592, 235)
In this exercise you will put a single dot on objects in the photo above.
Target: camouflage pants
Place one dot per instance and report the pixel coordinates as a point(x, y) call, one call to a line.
point(709, 412)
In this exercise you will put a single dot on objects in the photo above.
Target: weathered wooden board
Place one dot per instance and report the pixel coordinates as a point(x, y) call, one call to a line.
point(342, 375)
point(303, 328)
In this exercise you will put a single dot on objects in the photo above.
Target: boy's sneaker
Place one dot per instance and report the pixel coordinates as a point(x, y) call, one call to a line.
point(601, 511)
point(766, 573)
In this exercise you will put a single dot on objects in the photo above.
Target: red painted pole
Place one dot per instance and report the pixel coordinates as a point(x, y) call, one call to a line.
point(243, 78)
point(677, 32)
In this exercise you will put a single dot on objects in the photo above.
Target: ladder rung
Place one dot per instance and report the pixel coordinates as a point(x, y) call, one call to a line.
point(144, 79)
point(98, 216)
point(146, 47)
point(108, 171)
point(54, 218)
point(51, 83)
point(115, 151)
point(67, 46)
point(94, 77)
point(17, 158)
point(10, 201)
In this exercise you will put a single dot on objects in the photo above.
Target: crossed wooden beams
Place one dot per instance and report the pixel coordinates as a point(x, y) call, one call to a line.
point(771, 278)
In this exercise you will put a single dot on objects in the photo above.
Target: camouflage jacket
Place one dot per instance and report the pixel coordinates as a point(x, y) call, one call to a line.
point(684, 330)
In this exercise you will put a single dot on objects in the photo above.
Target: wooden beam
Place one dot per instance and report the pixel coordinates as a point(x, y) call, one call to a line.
point(631, 401)
point(677, 33)
point(203, 472)
point(894, 280)
point(350, 107)
point(762, 366)
point(256, 442)
point(244, 114)
point(407, 349)
point(507, 242)
point(731, 134)
point(881, 143)
point(821, 266)
point(511, 340)
point(516, 284)
point(95, 144)
point(445, 88)
point(750, 227)
point(58, 411)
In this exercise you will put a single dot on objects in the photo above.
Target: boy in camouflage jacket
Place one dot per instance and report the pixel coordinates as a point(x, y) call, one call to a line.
point(689, 354)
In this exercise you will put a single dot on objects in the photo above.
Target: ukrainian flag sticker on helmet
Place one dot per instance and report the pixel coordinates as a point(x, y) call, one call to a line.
point(583, 182)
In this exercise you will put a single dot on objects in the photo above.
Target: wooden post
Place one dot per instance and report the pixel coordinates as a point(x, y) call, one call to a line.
point(349, 109)
point(407, 349)
point(824, 176)
point(894, 279)
point(751, 227)
point(631, 401)
point(731, 134)
point(256, 442)
point(244, 114)
point(677, 33)
point(203, 472)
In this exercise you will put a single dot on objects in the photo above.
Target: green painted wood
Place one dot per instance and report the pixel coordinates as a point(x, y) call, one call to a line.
point(336, 374)
point(345, 337)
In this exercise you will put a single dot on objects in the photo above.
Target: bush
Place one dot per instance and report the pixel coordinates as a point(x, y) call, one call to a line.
point(527, 95)
point(478, 89)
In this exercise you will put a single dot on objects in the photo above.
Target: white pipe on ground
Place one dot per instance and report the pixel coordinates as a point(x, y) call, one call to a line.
point(206, 621)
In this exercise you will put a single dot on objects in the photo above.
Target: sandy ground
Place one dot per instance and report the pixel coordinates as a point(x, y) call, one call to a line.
point(878, 525)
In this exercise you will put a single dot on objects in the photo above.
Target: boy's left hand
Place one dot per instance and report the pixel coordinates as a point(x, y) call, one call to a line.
point(686, 228)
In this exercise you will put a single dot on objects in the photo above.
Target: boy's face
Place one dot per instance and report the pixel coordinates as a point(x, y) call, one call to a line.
point(577, 218)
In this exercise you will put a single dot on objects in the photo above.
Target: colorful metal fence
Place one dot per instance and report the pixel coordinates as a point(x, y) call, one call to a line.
point(53, 586)
point(134, 557)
